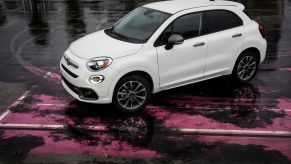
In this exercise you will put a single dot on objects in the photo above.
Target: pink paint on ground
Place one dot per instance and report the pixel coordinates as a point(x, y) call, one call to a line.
point(104, 144)
point(33, 113)
point(35, 70)
point(89, 121)
point(282, 145)
point(197, 121)
point(199, 101)
point(54, 115)
point(62, 144)
point(38, 100)
point(176, 120)
point(67, 119)
point(54, 77)
point(49, 110)
point(284, 103)
point(280, 124)
point(285, 69)
point(36, 118)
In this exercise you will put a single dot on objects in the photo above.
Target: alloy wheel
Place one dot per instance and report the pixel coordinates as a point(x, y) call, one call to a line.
point(131, 95)
point(247, 68)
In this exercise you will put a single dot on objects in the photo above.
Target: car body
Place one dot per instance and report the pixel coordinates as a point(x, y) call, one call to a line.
point(161, 45)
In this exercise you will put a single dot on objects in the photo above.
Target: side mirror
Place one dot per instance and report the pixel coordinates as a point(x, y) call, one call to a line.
point(174, 39)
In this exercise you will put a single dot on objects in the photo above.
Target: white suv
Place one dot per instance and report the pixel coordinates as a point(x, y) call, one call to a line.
point(160, 46)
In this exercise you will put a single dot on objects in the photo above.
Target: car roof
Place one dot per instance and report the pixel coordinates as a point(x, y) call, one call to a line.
point(175, 6)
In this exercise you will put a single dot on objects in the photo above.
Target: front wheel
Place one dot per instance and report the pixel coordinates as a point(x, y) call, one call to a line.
point(246, 67)
point(131, 94)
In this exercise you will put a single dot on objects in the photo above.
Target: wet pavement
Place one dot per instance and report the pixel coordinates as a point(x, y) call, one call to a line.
point(212, 120)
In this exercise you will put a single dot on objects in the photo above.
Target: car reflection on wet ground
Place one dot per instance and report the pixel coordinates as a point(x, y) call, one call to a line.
point(212, 120)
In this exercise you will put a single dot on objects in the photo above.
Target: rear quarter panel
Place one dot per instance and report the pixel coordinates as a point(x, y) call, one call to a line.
point(255, 39)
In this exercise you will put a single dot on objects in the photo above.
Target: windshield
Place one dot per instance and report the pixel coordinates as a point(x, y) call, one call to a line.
point(139, 25)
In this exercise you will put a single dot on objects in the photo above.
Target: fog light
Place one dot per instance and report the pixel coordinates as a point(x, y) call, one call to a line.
point(96, 79)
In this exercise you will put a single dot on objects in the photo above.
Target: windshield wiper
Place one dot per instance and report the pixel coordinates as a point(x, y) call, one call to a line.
point(118, 34)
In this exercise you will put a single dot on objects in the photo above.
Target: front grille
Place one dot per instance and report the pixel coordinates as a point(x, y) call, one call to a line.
point(69, 72)
point(84, 93)
point(71, 86)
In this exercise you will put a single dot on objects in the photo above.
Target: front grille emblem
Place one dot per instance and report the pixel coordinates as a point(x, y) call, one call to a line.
point(69, 63)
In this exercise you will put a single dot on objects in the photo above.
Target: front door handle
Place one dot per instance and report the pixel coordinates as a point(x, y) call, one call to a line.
point(199, 44)
point(236, 35)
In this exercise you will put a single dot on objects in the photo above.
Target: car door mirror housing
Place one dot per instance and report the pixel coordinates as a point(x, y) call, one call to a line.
point(174, 39)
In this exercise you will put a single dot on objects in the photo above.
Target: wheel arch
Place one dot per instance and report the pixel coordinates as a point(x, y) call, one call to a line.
point(142, 71)
point(254, 50)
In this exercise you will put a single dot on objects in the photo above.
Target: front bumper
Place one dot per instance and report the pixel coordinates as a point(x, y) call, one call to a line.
point(76, 81)
point(83, 93)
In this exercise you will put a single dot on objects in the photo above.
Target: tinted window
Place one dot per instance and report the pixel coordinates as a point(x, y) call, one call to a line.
point(188, 26)
point(140, 24)
point(163, 39)
point(219, 20)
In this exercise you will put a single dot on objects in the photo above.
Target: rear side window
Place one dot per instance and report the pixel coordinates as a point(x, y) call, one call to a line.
point(219, 20)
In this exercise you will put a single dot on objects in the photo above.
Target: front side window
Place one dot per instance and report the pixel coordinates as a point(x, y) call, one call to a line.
point(219, 20)
point(140, 24)
point(189, 26)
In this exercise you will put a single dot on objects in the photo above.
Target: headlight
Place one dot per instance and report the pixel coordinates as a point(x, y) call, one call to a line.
point(99, 63)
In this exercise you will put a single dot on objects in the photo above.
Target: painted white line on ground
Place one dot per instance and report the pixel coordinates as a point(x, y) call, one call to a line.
point(4, 115)
point(16, 102)
point(274, 109)
point(229, 108)
point(100, 127)
point(45, 126)
point(184, 130)
point(23, 96)
point(12, 125)
point(61, 105)
point(229, 131)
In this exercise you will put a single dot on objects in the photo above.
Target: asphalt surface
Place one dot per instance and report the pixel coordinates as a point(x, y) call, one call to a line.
point(216, 120)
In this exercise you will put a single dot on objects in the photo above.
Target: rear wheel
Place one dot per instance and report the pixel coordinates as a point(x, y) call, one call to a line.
point(246, 67)
point(131, 94)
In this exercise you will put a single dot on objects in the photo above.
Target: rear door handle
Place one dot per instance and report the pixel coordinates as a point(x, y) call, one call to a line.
point(236, 35)
point(199, 44)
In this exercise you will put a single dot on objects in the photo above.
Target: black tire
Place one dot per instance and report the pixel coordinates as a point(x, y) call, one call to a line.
point(249, 72)
point(127, 98)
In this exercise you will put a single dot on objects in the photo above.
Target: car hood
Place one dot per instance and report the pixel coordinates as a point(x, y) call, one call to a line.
point(100, 44)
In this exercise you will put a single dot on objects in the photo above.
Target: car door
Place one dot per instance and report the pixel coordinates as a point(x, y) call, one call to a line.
point(185, 62)
point(225, 35)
